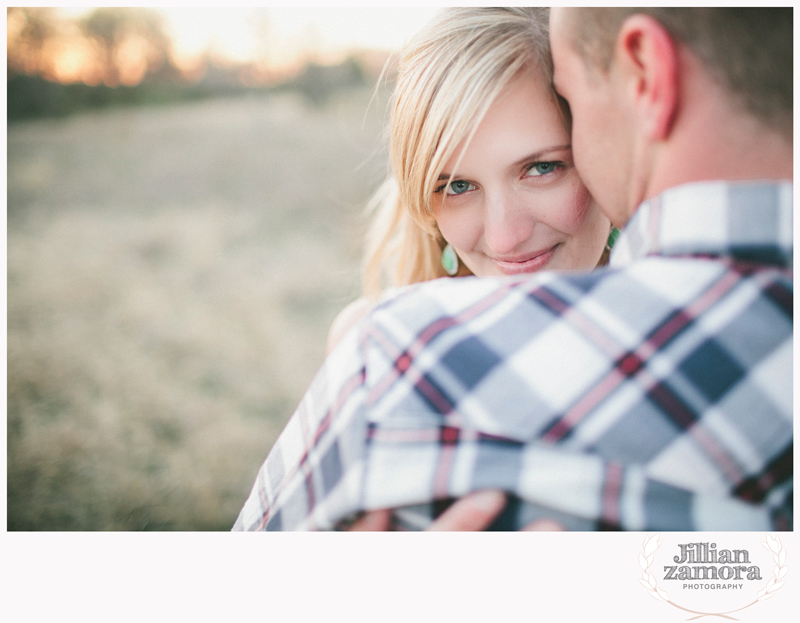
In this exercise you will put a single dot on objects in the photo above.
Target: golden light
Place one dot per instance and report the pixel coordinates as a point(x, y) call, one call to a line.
point(285, 36)
point(273, 40)
point(15, 22)
point(132, 59)
point(74, 60)
point(224, 32)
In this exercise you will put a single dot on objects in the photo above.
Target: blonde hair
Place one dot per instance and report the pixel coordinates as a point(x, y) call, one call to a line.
point(449, 75)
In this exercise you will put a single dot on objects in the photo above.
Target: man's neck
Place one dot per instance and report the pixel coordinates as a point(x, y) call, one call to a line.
point(739, 149)
point(712, 138)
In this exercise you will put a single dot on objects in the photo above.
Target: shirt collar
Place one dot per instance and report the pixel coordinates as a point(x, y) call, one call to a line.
point(750, 221)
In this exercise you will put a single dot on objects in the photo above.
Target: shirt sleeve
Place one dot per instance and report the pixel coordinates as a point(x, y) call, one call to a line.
point(397, 418)
point(312, 477)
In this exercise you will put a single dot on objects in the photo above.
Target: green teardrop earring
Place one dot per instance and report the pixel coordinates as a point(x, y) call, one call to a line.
point(449, 260)
point(612, 238)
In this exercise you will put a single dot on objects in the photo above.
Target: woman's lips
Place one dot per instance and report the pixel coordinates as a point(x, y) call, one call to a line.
point(525, 264)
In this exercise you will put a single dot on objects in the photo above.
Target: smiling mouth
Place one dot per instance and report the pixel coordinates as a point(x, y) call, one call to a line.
point(526, 264)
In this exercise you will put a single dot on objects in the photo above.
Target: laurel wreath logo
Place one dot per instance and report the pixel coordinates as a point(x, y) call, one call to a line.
point(648, 580)
point(781, 568)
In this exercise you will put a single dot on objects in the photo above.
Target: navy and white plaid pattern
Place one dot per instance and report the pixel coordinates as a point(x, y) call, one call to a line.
point(655, 394)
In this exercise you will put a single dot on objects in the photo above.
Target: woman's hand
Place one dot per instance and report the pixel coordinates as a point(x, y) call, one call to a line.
point(473, 512)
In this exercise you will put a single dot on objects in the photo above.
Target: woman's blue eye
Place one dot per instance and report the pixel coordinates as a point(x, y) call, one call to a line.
point(542, 168)
point(458, 187)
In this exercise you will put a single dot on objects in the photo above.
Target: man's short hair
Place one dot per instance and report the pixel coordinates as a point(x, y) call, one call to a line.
point(749, 50)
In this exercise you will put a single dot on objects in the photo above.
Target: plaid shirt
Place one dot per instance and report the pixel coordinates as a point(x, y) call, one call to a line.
point(654, 394)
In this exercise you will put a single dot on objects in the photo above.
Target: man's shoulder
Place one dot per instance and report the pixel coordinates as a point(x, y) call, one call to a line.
point(643, 291)
point(473, 304)
point(455, 297)
point(459, 298)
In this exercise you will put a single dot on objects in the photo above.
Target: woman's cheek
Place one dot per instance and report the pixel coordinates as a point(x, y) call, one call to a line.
point(458, 227)
point(570, 205)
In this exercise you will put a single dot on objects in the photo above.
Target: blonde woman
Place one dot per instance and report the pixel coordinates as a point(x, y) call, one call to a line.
point(482, 181)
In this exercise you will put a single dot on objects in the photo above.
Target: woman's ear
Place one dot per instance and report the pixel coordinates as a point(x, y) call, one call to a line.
point(647, 56)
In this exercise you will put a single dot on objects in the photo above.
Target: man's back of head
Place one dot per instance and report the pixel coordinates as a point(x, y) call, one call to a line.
point(665, 96)
point(749, 50)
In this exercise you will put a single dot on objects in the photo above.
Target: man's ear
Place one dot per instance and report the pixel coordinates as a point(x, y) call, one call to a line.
point(648, 58)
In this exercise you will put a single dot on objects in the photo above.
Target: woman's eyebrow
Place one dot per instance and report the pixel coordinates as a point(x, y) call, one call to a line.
point(541, 152)
point(446, 176)
point(533, 156)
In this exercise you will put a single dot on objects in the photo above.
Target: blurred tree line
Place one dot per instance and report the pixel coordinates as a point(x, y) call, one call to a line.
point(123, 56)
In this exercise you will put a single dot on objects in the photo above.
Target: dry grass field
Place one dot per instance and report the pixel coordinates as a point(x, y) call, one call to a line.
point(172, 273)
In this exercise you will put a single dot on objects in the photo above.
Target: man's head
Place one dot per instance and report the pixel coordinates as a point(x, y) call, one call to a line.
point(662, 96)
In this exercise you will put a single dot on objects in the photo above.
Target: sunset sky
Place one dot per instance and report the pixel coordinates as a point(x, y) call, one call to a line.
point(281, 34)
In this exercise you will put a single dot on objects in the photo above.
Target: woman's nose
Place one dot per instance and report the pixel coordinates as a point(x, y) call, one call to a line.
point(508, 224)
